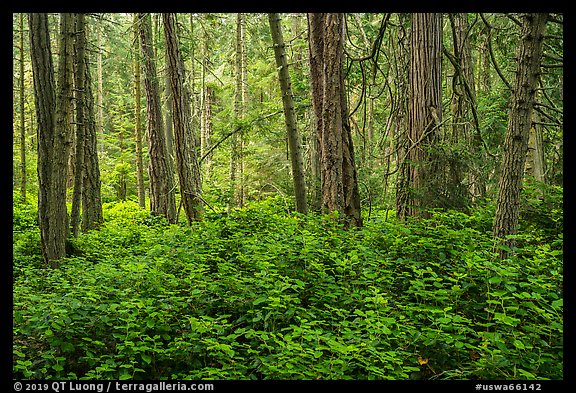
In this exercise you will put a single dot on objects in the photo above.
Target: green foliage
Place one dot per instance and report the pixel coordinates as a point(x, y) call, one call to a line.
point(25, 234)
point(264, 293)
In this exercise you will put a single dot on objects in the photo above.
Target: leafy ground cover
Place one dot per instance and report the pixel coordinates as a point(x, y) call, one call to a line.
point(262, 293)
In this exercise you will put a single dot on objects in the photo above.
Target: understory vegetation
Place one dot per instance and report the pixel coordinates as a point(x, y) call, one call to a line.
point(267, 293)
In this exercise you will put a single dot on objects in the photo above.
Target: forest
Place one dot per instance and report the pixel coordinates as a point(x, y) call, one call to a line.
point(287, 196)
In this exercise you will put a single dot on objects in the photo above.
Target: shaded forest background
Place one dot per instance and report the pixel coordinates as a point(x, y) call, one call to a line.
point(376, 68)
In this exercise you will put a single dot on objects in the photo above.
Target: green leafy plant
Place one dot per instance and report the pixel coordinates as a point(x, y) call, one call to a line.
point(264, 293)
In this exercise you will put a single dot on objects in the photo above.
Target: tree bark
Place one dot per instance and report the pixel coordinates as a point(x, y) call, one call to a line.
point(137, 119)
point(401, 116)
point(339, 182)
point(92, 216)
point(100, 90)
point(79, 89)
point(425, 115)
point(463, 101)
point(519, 122)
point(186, 156)
point(162, 202)
point(22, 115)
point(53, 132)
point(294, 140)
point(206, 98)
point(240, 98)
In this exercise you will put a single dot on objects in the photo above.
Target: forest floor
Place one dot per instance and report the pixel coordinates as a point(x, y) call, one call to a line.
point(266, 293)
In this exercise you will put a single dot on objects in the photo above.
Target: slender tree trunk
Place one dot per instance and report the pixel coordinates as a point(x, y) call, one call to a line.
point(311, 154)
point(535, 156)
point(100, 90)
point(401, 116)
point(205, 102)
point(425, 114)
point(463, 99)
point(339, 182)
point(484, 79)
point(137, 120)
point(162, 202)
point(169, 123)
point(53, 132)
point(519, 122)
point(294, 140)
point(206, 118)
point(80, 90)
point(236, 155)
point(22, 114)
point(244, 93)
point(186, 159)
point(92, 216)
point(194, 96)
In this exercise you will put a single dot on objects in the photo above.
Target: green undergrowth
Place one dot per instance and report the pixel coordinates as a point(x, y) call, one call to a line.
point(262, 293)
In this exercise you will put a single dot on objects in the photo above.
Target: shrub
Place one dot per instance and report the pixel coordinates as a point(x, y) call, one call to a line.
point(263, 293)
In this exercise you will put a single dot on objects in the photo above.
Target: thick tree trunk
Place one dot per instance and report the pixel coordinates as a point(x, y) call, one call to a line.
point(186, 158)
point(339, 182)
point(519, 122)
point(316, 49)
point(425, 115)
point(294, 140)
point(53, 132)
point(162, 202)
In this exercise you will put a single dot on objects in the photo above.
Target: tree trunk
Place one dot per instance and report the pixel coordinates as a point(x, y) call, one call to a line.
point(463, 100)
point(401, 116)
point(100, 91)
point(137, 119)
point(206, 99)
point(484, 80)
point(80, 90)
point(53, 132)
point(535, 156)
point(425, 115)
point(294, 140)
point(92, 216)
point(22, 115)
point(519, 122)
point(186, 159)
point(236, 154)
point(162, 202)
point(169, 122)
point(206, 123)
point(339, 183)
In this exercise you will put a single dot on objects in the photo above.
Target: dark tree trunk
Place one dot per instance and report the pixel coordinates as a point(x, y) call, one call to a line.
point(53, 132)
point(92, 216)
point(186, 156)
point(137, 119)
point(519, 122)
point(339, 182)
point(401, 116)
point(80, 97)
point(162, 202)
